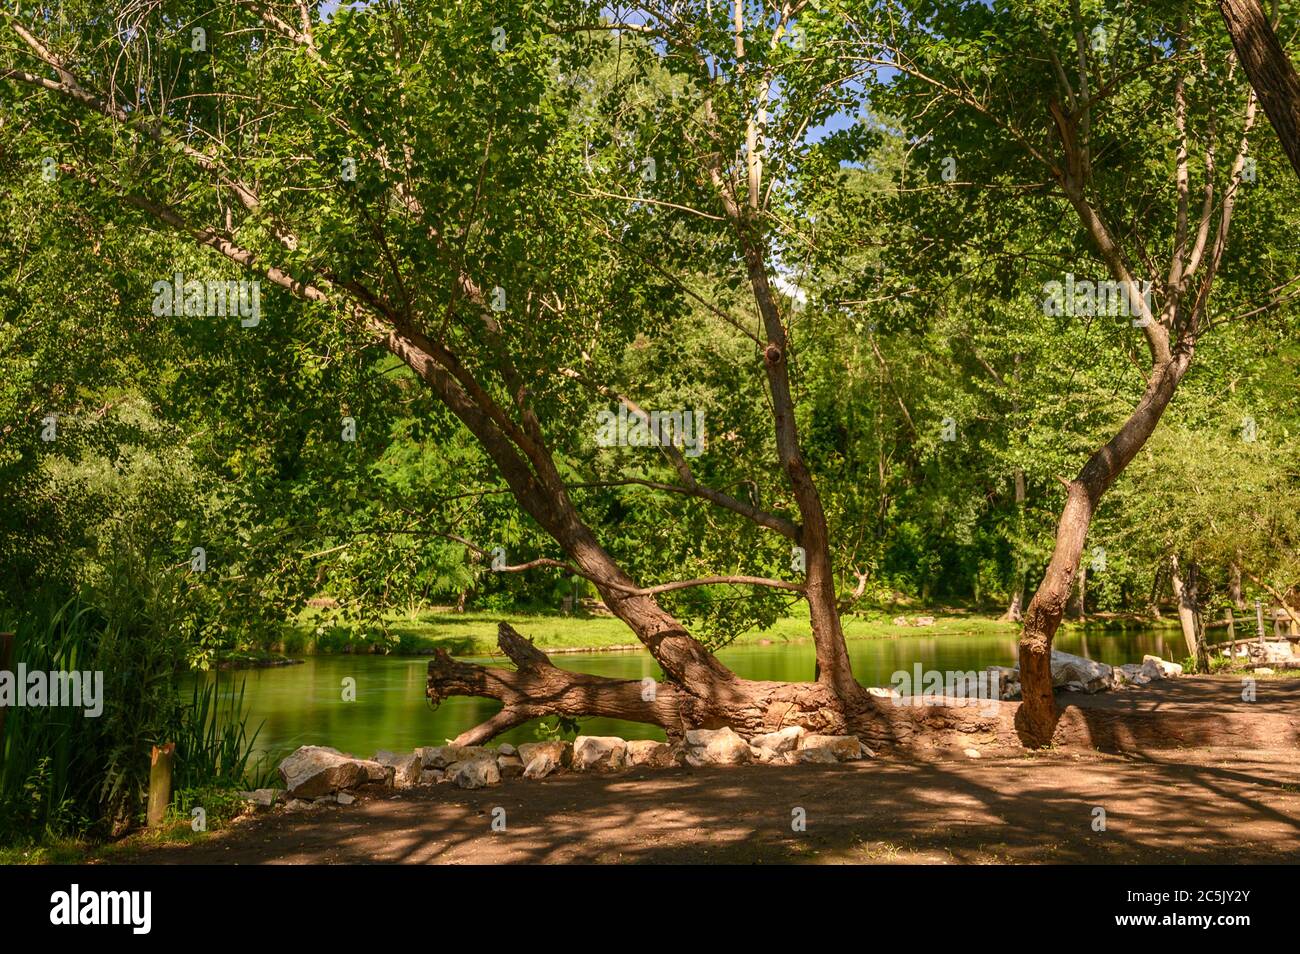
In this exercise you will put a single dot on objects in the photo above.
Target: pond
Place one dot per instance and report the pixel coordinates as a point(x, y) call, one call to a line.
point(304, 705)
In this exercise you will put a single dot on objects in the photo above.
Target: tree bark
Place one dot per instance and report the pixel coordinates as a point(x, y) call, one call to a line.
point(1157, 581)
point(1081, 595)
point(1015, 612)
point(1269, 70)
point(1189, 612)
point(1234, 587)
point(1038, 715)
point(536, 688)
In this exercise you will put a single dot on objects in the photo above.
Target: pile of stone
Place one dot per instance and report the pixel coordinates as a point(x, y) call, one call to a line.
point(1077, 674)
point(1151, 669)
point(316, 776)
point(1268, 653)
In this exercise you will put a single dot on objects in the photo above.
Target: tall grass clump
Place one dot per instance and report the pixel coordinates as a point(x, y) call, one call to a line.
point(63, 774)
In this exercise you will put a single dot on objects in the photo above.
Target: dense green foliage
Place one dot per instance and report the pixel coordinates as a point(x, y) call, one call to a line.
point(914, 302)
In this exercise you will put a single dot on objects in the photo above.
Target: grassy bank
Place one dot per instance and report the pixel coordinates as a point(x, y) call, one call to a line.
point(474, 633)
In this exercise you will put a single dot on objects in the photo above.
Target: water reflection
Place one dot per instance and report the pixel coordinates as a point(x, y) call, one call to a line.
point(302, 705)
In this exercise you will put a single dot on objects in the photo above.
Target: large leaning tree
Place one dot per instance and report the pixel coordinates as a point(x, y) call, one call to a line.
point(1137, 122)
point(507, 195)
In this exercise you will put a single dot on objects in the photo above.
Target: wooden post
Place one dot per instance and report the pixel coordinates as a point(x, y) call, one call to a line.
point(160, 782)
point(6, 663)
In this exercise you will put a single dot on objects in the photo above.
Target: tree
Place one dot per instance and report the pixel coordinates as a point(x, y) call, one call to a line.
point(1069, 122)
point(1270, 72)
point(468, 291)
point(508, 195)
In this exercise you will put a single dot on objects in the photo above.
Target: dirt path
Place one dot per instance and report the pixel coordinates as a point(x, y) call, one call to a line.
point(1185, 806)
point(1205, 801)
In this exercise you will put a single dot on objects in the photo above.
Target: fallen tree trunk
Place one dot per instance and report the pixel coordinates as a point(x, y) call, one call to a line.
point(1187, 712)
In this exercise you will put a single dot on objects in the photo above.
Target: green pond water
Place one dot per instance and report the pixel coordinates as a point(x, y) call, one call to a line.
point(304, 705)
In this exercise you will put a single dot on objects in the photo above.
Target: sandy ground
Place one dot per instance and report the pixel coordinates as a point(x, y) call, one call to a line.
point(1183, 806)
point(1203, 801)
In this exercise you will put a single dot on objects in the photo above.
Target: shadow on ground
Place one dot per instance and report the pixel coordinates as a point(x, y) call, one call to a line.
point(1207, 805)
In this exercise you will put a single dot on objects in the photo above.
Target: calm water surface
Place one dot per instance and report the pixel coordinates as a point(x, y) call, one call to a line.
point(303, 704)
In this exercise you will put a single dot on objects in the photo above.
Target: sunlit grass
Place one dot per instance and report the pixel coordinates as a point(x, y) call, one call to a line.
point(474, 633)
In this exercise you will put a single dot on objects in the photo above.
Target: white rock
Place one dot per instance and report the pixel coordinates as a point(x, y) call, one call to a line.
point(1088, 674)
point(476, 773)
point(820, 754)
point(900, 620)
point(972, 753)
point(1270, 651)
point(510, 766)
point(442, 756)
point(432, 776)
point(1157, 668)
point(1132, 674)
point(345, 799)
point(715, 747)
point(598, 753)
point(263, 797)
point(505, 748)
point(540, 765)
point(774, 743)
point(1262, 671)
point(406, 767)
point(649, 752)
point(316, 770)
point(840, 748)
point(560, 752)
point(925, 621)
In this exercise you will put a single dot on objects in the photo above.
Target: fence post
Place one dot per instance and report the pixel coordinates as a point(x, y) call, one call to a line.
point(160, 782)
point(6, 663)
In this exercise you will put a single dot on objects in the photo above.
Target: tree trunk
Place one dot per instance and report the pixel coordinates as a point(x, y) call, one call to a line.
point(1015, 612)
point(1269, 70)
point(1157, 581)
point(1234, 587)
point(536, 688)
point(1081, 595)
point(1189, 612)
point(161, 760)
point(1038, 715)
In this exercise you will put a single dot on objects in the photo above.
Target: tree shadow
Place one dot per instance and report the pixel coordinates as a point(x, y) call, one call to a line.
point(1031, 809)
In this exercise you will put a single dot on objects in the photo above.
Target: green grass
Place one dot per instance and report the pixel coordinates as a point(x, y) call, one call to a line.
point(474, 633)
point(223, 808)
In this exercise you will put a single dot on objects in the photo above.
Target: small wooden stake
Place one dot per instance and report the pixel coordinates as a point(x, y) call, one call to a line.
point(160, 782)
